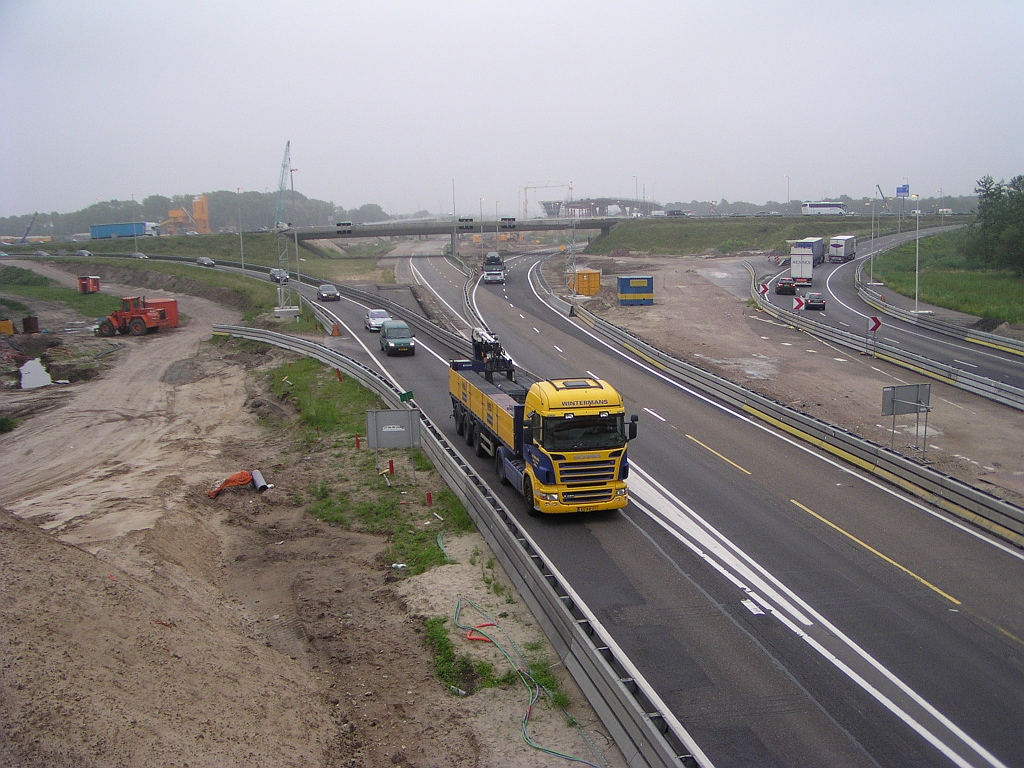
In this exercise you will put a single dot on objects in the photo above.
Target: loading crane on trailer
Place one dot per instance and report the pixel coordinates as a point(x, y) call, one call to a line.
point(528, 187)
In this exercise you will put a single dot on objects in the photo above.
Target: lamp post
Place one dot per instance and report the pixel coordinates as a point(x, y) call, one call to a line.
point(636, 189)
point(787, 193)
point(917, 254)
point(241, 242)
point(871, 278)
point(496, 224)
point(482, 221)
point(298, 272)
point(135, 230)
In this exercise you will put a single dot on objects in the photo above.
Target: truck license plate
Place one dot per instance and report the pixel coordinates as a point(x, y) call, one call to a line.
point(586, 509)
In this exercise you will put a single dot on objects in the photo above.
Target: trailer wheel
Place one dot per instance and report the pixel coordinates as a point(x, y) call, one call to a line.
point(528, 496)
point(460, 423)
point(107, 328)
point(137, 327)
point(469, 429)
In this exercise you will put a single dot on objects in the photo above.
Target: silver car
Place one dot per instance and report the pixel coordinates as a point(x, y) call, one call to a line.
point(375, 318)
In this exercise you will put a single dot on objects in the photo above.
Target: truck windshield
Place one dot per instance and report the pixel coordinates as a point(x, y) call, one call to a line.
point(584, 433)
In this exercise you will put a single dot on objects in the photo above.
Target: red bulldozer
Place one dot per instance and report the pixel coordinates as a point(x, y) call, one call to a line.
point(139, 315)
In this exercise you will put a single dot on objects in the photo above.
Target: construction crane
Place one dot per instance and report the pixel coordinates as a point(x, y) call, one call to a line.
point(526, 204)
point(24, 238)
point(286, 165)
point(885, 204)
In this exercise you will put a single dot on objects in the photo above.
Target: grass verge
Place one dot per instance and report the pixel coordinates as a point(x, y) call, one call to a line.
point(948, 280)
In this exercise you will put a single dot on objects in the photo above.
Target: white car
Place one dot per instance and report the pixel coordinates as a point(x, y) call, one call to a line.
point(138, 255)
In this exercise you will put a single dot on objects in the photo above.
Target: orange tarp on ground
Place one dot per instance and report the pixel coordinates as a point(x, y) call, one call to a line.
point(239, 478)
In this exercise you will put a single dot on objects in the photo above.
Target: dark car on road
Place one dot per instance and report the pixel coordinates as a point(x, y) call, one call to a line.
point(279, 275)
point(396, 338)
point(786, 285)
point(328, 292)
point(205, 261)
point(814, 301)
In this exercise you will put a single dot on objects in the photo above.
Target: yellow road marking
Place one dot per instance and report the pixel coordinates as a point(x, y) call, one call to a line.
point(712, 450)
point(875, 552)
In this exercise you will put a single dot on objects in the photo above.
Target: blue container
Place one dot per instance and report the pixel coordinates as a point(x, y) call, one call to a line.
point(635, 290)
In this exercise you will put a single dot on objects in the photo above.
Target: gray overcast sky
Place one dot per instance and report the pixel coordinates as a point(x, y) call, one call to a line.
point(388, 102)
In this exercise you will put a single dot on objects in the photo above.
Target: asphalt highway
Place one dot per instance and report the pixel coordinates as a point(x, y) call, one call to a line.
point(788, 610)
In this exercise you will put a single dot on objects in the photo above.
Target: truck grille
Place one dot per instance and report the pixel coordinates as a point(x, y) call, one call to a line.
point(586, 472)
point(587, 496)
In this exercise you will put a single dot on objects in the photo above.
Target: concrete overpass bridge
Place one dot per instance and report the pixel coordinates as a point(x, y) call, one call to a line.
point(591, 207)
point(453, 228)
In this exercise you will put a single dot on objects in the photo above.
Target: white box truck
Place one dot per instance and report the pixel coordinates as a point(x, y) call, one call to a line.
point(842, 248)
point(804, 255)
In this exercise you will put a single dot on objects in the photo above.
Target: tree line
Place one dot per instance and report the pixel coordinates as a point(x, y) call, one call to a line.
point(996, 240)
point(254, 210)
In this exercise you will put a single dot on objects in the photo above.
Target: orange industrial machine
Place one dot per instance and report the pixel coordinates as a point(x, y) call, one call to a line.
point(139, 315)
point(181, 222)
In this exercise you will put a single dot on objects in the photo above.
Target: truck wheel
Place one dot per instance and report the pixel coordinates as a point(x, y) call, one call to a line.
point(469, 430)
point(499, 468)
point(460, 423)
point(107, 328)
point(528, 496)
point(137, 327)
point(481, 450)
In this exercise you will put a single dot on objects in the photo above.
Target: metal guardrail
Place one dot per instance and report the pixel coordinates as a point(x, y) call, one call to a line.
point(998, 516)
point(643, 728)
point(997, 391)
point(874, 299)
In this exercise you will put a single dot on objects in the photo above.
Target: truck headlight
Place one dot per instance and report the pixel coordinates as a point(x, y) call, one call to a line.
point(621, 491)
point(549, 496)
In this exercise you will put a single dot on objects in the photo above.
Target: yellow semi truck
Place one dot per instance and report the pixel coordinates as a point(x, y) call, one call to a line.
point(560, 442)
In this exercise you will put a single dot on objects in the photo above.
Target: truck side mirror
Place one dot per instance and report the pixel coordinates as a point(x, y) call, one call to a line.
point(527, 434)
point(631, 434)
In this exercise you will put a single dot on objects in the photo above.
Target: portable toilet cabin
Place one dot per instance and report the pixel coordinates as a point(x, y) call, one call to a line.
point(586, 281)
point(636, 290)
point(88, 284)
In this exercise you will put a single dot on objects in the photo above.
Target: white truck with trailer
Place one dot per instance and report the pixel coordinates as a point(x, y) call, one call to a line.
point(804, 256)
point(842, 248)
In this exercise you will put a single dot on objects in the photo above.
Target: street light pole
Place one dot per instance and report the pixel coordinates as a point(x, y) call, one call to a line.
point(917, 255)
point(135, 230)
point(496, 224)
point(298, 272)
point(241, 241)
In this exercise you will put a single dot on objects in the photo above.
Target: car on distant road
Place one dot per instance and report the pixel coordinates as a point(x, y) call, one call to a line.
point(786, 285)
point(138, 255)
point(205, 261)
point(328, 292)
point(278, 275)
point(40, 253)
point(83, 252)
point(375, 318)
point(814, 301)
point(3, 255)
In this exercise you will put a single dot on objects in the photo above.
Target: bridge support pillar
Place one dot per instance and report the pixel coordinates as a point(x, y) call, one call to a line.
point(455, 243)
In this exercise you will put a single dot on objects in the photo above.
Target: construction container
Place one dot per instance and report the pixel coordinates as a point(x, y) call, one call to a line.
point(30, 324)
point(586, 282)
point(88, 284)
point(7, 327)
point(168, 309)
point(636, 290)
